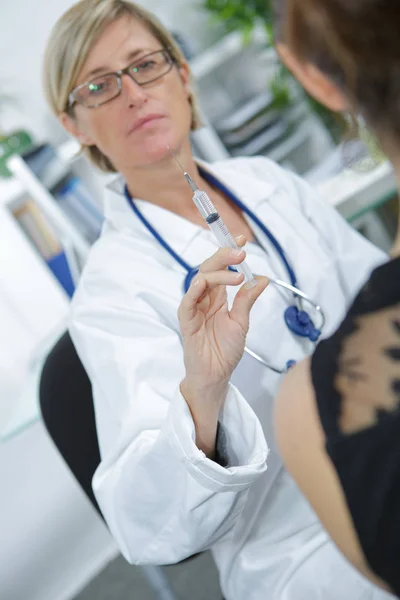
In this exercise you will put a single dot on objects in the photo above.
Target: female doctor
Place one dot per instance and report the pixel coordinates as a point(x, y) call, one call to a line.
point(181, 472)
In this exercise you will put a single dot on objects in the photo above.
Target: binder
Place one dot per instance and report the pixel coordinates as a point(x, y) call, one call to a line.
point(37, 228)
point(58, 264)
point(43, 238)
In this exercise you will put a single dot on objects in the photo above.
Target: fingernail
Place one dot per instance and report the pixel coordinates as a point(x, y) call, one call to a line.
point(239, 238)
point(251, 284)
point(237, 252)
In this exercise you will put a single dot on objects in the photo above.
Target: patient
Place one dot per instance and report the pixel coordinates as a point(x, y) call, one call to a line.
point(337, 417)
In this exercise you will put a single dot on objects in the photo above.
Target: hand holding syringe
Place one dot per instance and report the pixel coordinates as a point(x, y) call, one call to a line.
point(216, 224)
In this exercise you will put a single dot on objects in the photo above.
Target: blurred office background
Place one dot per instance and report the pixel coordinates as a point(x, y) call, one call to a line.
point(54, 546)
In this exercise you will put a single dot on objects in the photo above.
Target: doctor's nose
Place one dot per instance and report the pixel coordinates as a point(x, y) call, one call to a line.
point(132, 91)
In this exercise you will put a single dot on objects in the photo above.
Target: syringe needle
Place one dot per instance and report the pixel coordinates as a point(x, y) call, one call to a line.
point(190, 181)
point(175, 158)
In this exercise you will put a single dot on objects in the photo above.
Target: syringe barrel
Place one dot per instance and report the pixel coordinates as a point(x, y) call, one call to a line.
point(226, 240)
point(204, 204)
point(220, 231)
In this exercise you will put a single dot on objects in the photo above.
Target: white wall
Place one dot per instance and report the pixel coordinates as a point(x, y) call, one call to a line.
point(24, 29)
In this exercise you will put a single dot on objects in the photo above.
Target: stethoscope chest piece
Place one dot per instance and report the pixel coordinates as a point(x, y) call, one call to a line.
point(299, 322)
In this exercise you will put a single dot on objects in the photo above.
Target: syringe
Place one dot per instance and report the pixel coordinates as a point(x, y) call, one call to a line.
point(216, 224)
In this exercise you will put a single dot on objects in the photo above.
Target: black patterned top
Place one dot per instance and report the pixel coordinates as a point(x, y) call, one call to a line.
point(356, 377)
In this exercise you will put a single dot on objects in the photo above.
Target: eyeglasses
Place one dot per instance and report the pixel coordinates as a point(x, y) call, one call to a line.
point(102, 89)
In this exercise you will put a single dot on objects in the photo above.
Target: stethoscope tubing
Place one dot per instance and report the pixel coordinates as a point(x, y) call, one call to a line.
point(292, 287)
point(304, 297)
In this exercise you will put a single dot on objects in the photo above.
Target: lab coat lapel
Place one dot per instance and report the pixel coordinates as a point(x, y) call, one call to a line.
point(251, 191)
point(193, 243)
point(175, 230)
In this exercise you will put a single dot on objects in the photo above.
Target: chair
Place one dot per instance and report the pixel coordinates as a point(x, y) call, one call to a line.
point(66, 404)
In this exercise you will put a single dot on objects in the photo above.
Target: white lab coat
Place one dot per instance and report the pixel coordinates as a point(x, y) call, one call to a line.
point(162, 498)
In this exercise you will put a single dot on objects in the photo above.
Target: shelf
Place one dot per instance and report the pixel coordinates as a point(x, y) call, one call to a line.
point(355, 193)
point(230, 46)
point(289, 145)
point(11, 189)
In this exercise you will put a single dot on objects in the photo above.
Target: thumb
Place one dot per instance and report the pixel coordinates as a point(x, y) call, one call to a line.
point(244, 301)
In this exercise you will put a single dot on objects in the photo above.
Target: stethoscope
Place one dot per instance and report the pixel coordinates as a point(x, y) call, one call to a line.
point(297, 320)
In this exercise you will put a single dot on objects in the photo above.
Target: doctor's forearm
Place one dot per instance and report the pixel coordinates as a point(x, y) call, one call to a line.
point(205, 405)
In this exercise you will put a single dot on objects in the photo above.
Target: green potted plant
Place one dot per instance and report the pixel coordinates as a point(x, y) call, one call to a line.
point(244, 16)
point(14, 142)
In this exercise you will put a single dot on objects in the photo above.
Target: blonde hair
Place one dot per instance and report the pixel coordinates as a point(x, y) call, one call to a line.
point(71, 40)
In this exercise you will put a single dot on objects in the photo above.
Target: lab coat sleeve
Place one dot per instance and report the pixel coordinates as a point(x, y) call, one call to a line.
point(163, 500)
point(354, 256)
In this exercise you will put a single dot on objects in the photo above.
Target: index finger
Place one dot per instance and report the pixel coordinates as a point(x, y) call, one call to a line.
point(187, 307)
point(225, 257)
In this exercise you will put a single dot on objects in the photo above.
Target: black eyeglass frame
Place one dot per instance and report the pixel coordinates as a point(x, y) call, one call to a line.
point(170, 62)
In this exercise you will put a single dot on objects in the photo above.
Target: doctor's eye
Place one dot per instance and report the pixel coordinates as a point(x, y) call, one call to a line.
point(100, 86)
point(146, 65)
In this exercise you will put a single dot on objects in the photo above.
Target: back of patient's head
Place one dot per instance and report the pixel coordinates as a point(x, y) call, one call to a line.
point(355, 43)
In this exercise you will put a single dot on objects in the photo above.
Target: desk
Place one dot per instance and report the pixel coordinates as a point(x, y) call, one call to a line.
point(353, 194)
point(26, 409)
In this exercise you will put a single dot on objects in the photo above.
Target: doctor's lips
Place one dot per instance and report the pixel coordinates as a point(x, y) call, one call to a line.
point(142, 122)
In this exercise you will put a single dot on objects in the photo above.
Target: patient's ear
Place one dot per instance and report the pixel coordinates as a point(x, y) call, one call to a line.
point(316, 83)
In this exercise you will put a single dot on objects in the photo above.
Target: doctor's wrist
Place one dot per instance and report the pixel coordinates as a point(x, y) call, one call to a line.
point(205, 404)
point(210, 398)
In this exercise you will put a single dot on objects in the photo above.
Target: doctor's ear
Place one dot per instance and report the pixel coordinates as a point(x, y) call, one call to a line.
point(313, 80)
point(70, 124)
point(184, 73)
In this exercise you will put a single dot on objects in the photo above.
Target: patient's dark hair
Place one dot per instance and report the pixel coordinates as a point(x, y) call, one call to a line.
point(357, 44)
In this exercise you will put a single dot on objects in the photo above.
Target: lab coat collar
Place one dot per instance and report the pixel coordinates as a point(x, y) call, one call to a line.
point(176, 230)
point(244, 185)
